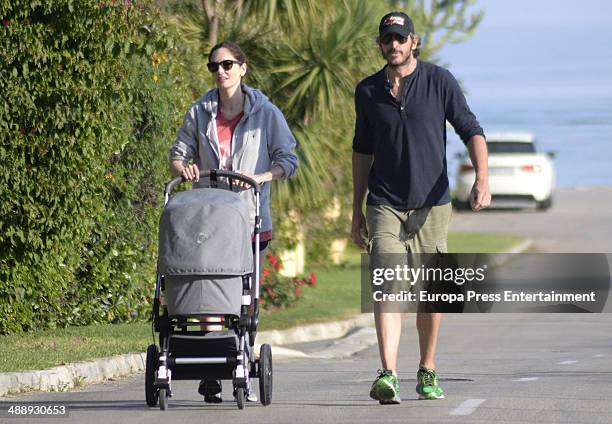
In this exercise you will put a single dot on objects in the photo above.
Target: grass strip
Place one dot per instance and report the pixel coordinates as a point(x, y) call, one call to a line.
point(49, 348)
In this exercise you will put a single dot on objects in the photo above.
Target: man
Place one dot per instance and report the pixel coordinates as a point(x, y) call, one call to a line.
point(399, 155)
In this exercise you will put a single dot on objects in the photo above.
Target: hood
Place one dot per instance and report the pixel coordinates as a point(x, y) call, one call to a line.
point(254, 100)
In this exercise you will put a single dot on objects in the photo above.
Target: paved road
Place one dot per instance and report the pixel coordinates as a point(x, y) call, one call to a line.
point(579, 221)
point(501, 368)
point(495, 368)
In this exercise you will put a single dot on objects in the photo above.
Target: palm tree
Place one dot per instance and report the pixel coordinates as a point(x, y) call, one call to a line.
point(307, 56)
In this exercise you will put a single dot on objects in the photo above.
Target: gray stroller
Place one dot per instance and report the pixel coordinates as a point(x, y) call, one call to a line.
point(205, 268)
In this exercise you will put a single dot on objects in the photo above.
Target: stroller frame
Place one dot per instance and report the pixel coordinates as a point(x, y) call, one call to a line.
point(163, 364)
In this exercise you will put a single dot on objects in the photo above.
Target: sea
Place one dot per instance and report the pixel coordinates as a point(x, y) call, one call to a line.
point(543, 67)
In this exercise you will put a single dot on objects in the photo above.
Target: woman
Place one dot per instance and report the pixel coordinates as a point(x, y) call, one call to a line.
point(234, 127)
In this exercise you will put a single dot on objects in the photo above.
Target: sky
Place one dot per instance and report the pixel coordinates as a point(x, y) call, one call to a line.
point(547, 12)
point(554, 53)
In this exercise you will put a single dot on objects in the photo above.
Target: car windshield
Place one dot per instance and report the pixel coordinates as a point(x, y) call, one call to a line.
point(510, 147)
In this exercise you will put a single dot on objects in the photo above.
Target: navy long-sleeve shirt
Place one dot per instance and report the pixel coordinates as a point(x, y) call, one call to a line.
point(407, 136)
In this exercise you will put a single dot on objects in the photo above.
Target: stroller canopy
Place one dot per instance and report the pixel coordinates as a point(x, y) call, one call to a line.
point(205, 231)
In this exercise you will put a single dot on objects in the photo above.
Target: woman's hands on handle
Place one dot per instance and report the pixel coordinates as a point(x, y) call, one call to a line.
point(189, 172)
point(275, 173)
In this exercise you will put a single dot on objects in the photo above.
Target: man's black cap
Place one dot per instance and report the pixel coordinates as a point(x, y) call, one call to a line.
point(395, 22)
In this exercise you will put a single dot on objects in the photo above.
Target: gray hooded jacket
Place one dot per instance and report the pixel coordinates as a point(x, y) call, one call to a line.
point(262, 138)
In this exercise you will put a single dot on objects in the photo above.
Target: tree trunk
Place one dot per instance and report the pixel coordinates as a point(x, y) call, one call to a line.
point(212, 18)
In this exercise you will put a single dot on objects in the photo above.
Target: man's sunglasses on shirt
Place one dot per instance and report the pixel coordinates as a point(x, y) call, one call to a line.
point(226, 64)
point(388, 38)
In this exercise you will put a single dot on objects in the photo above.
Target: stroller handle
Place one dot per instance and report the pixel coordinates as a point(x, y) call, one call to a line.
point(218, 173)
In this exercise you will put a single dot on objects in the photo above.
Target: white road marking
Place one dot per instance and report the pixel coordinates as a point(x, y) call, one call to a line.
point(567, 362)
point(527, 379)
point(599, 355)
point(467, 407)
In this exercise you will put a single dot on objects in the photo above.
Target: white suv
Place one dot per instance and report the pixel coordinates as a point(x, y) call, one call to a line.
point(519, 175)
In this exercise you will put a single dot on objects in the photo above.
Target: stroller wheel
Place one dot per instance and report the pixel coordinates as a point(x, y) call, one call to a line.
point(163, 399)
point(240, 397)
point(265, 374)
point(151, 392)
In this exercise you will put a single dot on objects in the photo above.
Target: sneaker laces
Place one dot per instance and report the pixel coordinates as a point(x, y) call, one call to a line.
point(428, 377)
point(384, 372)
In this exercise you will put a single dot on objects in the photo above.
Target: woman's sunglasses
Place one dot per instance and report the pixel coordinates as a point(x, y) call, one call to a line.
point(388, 38)
point(226, 64)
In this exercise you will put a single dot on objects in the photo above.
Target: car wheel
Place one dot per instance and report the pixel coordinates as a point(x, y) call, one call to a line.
point(459, 205)
point(544, 204)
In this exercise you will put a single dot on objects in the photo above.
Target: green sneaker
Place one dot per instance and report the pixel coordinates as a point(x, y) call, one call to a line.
point(427, 385)
point(385, 388)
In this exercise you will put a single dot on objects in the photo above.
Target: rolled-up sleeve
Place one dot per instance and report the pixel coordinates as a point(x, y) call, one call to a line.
point(186, 143)
point(458, 112)
point(281, 143)
point(362, 141)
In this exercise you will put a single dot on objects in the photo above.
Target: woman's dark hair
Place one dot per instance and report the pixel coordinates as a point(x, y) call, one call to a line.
point(232, 47)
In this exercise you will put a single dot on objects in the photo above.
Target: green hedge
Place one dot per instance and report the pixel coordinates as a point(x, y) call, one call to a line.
point(88, 112)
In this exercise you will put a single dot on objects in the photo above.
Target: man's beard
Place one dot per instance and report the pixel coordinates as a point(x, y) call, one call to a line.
point(405, 62)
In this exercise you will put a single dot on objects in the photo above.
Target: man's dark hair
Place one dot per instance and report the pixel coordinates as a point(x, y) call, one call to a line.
point(416, 52)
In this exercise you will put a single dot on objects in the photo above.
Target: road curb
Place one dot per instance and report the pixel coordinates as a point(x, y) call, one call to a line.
point(360, 338)
point(72, 375)
point(76, 374)
point(499, 259)
point(314, 332)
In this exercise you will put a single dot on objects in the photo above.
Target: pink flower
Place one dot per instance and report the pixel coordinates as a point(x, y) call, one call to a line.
point(273, 259)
